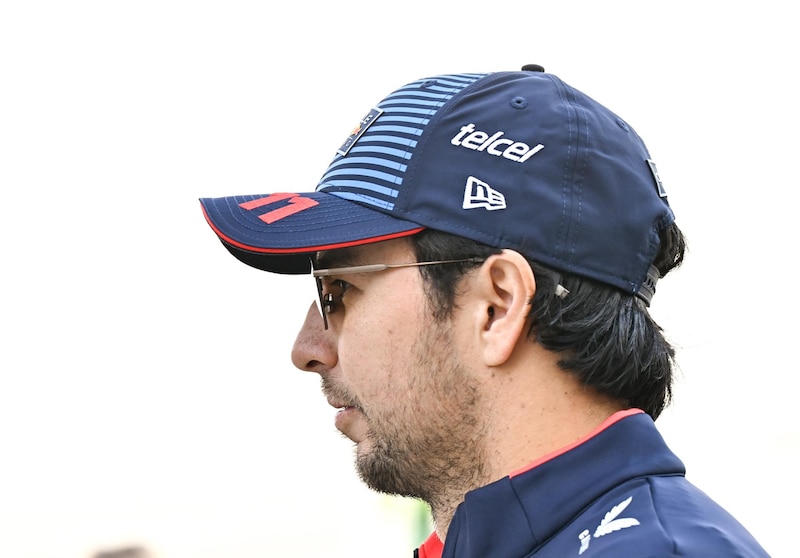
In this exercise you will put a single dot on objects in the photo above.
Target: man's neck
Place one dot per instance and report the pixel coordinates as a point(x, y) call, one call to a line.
point(527, 417)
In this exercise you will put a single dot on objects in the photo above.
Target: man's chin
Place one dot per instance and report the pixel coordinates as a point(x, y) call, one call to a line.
point(364, 448)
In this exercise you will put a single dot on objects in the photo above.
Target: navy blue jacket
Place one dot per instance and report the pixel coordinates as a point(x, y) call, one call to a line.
point(620, 492)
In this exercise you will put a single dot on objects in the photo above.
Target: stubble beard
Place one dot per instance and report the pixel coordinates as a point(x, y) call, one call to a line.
point(430, 448)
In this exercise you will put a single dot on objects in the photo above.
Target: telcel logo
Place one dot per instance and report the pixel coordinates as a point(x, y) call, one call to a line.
point(476, 140)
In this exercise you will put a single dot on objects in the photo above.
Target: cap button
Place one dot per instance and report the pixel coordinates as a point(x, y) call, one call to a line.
point(532, 68)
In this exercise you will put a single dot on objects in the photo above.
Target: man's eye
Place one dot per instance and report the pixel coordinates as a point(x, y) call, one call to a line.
point(341, 286)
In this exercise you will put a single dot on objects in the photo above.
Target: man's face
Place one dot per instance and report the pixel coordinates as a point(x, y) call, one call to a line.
point(399, 378)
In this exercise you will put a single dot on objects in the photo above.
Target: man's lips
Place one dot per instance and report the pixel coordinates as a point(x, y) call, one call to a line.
point(346, 420)
point(340, 404)
point(346, 416)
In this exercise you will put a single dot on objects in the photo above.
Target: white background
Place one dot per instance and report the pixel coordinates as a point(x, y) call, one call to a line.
point(146, 392)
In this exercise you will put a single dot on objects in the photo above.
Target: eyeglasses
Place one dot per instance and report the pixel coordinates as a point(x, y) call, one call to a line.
point(327, 301)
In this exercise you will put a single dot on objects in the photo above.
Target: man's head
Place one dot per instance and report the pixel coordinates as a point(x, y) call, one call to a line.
point(536, 228)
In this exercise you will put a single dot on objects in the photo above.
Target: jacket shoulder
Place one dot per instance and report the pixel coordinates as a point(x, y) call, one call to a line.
point(660, 516)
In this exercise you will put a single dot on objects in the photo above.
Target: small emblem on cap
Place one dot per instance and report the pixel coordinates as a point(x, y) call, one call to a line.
point(359, 130)
point(479, 194)
point(660, 185)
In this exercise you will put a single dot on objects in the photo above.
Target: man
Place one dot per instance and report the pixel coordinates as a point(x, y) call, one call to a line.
point(485, 248)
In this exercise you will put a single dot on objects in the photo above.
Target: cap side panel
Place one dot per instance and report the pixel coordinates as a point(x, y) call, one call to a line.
point(374, 170)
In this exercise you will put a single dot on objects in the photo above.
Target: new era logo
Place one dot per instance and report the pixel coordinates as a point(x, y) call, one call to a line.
point(479, 194)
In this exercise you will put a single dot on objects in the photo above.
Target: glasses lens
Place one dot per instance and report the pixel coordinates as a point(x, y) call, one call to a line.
point(320, 302)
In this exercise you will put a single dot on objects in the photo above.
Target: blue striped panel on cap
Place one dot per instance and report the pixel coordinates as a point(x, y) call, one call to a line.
point(372, 171)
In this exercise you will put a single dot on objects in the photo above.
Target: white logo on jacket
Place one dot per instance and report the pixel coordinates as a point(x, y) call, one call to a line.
point(610, 524)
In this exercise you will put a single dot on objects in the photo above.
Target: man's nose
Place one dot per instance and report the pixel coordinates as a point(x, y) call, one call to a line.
point(314, 349)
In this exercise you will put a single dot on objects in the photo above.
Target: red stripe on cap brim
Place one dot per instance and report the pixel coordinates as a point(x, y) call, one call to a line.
point(307, 249)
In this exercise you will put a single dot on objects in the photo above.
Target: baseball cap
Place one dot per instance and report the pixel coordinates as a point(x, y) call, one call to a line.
point(511, 159)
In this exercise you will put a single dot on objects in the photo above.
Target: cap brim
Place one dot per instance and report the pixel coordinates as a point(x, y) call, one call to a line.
point(280, 232)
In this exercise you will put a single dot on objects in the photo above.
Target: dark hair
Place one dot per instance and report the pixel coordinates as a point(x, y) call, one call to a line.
point(606, 337)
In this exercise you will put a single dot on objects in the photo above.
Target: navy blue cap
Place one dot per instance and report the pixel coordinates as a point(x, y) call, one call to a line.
point(516, 160)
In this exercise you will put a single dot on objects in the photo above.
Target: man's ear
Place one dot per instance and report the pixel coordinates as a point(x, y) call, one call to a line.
point(505, 286)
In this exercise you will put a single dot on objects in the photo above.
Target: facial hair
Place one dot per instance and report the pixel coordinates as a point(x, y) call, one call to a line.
point(429, 446)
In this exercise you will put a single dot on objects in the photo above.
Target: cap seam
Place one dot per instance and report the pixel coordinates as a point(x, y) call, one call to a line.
point(423, 141)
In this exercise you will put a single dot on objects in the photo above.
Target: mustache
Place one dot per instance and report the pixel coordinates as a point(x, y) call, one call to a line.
point(339, 394)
